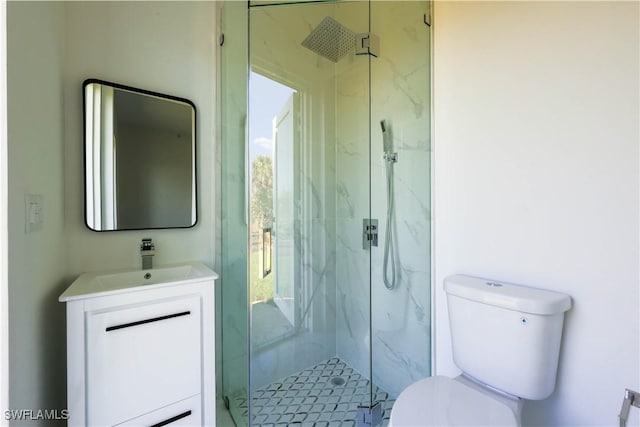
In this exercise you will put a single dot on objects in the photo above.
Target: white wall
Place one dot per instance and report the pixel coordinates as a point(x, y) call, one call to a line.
point(536, 179)
point(4, 229)
point(52, 47)
point(166, 47)
point(37, 261)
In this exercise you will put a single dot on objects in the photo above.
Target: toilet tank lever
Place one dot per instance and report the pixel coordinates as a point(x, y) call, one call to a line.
point(631, 398)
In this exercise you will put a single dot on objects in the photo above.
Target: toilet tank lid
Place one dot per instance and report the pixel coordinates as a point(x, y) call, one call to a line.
point(507, 295)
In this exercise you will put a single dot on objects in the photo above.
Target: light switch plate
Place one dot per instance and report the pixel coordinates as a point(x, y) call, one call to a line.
point(33, 212)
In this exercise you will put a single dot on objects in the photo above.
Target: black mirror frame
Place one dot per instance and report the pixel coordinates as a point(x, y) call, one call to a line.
point(84, 149)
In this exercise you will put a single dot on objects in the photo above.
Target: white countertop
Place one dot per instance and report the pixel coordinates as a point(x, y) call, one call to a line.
point(91, 285)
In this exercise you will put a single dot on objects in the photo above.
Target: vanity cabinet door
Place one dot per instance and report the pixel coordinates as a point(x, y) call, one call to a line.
point(142, 357)
point(183, 413)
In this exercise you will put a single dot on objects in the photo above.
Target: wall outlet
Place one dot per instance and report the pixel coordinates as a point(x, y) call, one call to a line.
point(33, 212)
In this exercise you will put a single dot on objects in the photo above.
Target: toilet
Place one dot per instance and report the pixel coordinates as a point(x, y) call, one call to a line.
point(506, 341)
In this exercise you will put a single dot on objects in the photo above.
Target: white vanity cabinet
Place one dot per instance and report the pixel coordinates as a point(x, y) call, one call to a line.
point(141, 353)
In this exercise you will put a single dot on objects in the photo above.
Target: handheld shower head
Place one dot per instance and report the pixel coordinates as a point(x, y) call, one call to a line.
point(390, 281)
point(387, 138)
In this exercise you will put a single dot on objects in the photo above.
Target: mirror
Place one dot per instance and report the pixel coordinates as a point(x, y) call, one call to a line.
point(139, 152)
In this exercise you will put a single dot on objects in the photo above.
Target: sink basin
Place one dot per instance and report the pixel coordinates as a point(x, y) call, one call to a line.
point(143, 277)
point(90, 285)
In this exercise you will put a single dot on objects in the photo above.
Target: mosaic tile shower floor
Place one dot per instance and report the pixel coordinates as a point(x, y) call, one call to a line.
point(325, 395)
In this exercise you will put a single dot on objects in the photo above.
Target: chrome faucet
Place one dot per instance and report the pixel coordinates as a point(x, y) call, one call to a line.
point(147, 251)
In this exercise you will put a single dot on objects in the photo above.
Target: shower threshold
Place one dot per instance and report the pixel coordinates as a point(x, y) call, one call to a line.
point(325, 395)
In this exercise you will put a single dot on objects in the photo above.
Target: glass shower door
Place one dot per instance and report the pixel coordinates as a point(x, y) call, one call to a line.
point(401, 177)
point(309, 124)
point(325, 152)
point(233, 321)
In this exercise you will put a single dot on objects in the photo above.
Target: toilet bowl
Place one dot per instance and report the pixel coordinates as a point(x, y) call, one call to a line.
point(444, 401)
point(506, 341)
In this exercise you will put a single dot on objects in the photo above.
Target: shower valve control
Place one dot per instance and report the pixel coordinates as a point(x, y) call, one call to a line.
point(369, 233)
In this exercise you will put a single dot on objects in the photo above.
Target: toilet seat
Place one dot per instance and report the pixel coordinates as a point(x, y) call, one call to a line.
point(443, 401)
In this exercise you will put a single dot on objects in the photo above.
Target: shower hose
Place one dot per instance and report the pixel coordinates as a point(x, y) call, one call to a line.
point(389, 250)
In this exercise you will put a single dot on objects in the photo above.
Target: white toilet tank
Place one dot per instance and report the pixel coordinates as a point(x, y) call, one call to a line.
point(506, 336)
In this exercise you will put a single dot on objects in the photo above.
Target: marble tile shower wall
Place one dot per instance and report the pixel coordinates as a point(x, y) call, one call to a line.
point(400, 95)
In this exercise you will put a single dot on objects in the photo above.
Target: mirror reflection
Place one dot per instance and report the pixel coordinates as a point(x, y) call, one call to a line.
point(139, 158)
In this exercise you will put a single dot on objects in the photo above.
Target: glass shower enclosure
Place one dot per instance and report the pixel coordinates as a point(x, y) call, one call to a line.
point(325, 223)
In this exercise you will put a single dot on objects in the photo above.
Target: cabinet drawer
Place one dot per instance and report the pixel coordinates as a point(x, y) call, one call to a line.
point(183, 413)
point(142, 357)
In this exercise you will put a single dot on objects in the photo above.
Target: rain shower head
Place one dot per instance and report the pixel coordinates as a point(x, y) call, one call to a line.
point(330, 39)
